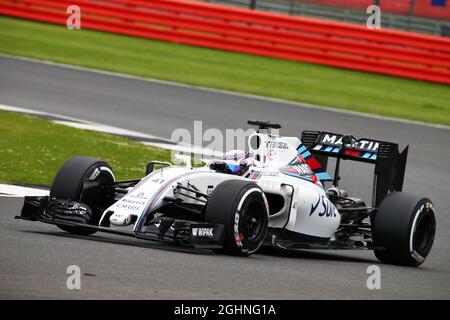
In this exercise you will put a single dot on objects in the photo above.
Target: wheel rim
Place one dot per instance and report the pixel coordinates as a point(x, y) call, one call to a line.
point(253, 220)
point(424, 234)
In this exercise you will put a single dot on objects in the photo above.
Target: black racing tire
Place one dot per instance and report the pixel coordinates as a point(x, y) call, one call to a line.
point(404, 229)
point(68, 184)
point(241, 207)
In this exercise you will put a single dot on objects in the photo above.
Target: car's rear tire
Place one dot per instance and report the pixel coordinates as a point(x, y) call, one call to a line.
point(68, 184)
point(404, 229)
point(241, 207)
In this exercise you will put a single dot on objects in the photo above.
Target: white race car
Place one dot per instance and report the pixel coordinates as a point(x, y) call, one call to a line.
point(274, 197)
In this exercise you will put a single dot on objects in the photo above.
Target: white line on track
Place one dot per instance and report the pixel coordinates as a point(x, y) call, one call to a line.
point(238, 94)
point(82, 124)
point(18, 191)
point(7, 190)
point(138, 136)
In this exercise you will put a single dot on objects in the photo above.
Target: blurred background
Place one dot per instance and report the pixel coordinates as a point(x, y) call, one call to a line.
point(424, 16)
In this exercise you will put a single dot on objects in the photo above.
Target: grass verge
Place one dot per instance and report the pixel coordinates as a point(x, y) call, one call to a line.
point(33, 149)
point(301, 82)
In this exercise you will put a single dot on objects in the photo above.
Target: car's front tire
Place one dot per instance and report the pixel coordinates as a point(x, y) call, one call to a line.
point(68, 184)
point(404, 229)
point(242, 208)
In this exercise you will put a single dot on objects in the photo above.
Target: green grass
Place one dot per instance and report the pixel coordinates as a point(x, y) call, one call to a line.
point(357, 91)
point(33, 149)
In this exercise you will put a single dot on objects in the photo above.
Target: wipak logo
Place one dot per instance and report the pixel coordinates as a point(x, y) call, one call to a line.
point(203, 232)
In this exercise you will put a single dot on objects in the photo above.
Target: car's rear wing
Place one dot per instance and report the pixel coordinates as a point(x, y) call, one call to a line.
point(389, 163)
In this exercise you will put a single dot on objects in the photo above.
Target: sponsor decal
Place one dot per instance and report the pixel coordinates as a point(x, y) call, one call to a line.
point(323, 208)
point(136, 202)
point(273, 144)
point(363, 144)
point(258, 174)
point(140, 195)
point(97, 172)
point(209, 190)
point(127, 207)
point(94, 174)
point(237, 236)
point(77, 209)
point(203, 232)
point(130, 204)
point(119, 219)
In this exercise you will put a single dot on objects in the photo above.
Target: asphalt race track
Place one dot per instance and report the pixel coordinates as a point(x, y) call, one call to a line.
point(34, 257)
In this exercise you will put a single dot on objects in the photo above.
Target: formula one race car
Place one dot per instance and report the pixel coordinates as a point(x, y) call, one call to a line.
point(273, 196)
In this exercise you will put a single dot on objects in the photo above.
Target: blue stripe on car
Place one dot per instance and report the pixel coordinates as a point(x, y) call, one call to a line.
point(323, 176)
point(302, 149)
point(306, 154)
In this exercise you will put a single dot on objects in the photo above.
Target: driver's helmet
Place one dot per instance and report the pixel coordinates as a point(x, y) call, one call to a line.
point(235, 162)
